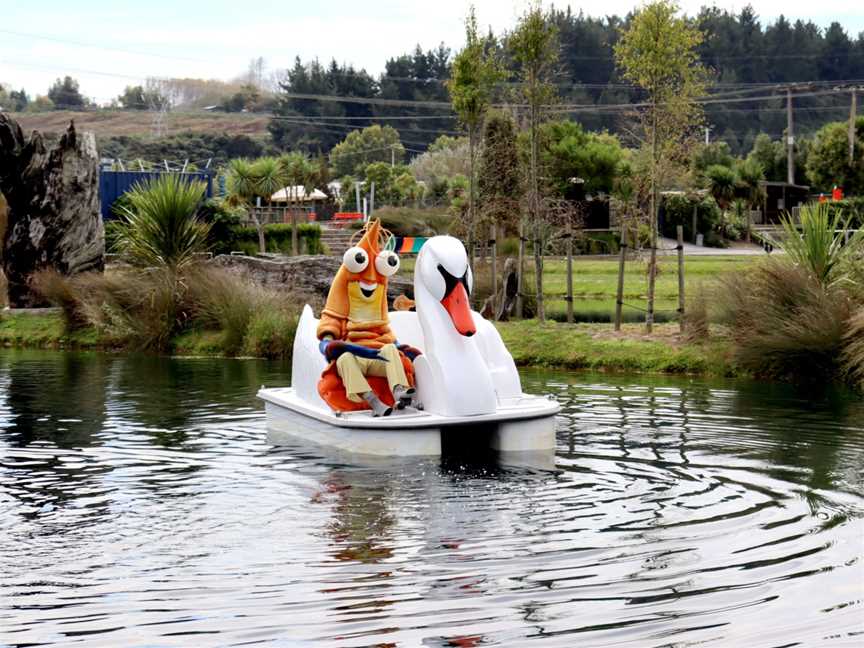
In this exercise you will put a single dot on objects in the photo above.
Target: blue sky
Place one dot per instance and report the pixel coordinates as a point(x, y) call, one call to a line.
point(217, 39)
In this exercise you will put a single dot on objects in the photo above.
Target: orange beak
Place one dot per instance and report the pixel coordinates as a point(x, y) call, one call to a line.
point(457, 306)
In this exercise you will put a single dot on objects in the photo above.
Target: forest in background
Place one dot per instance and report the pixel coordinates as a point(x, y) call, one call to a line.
point(747, 58)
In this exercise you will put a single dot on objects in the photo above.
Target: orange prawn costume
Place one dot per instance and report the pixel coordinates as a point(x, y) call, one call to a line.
point(355, 330)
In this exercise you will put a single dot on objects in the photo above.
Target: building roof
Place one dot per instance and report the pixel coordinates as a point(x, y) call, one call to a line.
point(297, 193)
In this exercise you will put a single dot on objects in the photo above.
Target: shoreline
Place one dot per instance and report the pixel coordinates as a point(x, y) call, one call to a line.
point(575, 347)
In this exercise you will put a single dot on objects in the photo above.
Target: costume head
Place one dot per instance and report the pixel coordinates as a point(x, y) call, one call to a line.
point(359, 290)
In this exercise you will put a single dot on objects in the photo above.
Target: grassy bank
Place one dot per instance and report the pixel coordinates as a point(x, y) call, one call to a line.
point(36, 331)
point(598, 347)
point(580, 346)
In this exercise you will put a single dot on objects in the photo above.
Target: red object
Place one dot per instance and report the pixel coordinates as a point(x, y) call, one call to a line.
point(312, 216)
point(837, 194)
point(457, 306)
point(822, 198)
point(347, 216)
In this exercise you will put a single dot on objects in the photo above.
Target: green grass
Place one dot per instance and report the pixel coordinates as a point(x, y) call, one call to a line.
point(44, 331)
point(597, 347)
point(580, 346)
point(595, 282)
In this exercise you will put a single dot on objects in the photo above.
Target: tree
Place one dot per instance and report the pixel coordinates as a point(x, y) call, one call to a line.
point(242, 191)
point(534, 46)
point(141, 98)
point(721, 183)
point(290, 126)
point(66, 95)
point(13, 101)
point(576, 163)
point(499, 180)
point(375, 143)
point(474, 75)
point(657, 52)
point(750, 177)
point(447, 157)
point(706, 155)
point(297, 171)
point(828, 158)
point(771, 156)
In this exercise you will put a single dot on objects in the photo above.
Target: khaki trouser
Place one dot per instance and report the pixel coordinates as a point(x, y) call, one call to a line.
point(353, 371)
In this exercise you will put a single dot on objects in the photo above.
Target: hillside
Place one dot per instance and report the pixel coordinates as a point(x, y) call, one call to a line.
point(114, 123)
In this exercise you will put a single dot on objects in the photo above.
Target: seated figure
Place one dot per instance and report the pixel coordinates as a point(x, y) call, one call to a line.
point(366, 370)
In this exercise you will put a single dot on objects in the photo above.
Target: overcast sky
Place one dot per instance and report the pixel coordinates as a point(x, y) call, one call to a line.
point(217, 38)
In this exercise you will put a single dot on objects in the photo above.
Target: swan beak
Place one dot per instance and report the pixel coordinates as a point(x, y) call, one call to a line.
point(457, 306)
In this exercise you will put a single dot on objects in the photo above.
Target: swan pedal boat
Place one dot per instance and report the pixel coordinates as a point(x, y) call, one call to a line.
point(466, 382)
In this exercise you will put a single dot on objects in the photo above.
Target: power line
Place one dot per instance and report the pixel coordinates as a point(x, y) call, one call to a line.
point(67, 41)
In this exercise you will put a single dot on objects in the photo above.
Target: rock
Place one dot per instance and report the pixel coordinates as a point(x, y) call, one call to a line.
point(304, 274)
point(53, 218)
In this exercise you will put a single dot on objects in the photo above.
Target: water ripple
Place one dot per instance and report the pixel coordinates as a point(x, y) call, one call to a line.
point(140, 504)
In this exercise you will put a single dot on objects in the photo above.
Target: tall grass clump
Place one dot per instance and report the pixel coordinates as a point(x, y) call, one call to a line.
point(168, 289)
point(819, 243)
point(853, 354)
point(792, 315)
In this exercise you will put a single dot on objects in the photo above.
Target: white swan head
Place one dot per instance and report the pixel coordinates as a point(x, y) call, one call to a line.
point(443, 270)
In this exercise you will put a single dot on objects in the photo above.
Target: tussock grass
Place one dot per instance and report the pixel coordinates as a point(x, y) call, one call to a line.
point(853, 354)
point(158, 309)
point(783, 322)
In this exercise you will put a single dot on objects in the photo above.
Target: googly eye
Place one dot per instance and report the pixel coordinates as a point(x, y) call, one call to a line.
point(387, 263)
point(355, 259)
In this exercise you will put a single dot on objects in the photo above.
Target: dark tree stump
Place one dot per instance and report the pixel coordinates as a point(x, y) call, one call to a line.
point(53, 218)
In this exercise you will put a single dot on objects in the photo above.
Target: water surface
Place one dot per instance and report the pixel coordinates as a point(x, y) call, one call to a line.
point(141, 505)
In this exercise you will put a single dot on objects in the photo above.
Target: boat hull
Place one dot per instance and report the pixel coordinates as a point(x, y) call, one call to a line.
point(525, 424)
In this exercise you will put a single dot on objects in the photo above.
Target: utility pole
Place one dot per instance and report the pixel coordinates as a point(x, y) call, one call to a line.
point(853, 113)
point(707, 135)
point(790, 140)
point(392, 156)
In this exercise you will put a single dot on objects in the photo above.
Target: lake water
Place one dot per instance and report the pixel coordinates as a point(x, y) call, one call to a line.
point(141, 505)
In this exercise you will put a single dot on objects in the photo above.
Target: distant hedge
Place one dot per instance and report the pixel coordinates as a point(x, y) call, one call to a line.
point(244, 238)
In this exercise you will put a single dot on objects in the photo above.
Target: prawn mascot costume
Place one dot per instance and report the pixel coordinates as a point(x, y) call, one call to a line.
point(366, 369)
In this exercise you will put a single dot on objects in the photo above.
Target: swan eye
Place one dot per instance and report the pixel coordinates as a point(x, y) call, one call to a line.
point(387, 263)
point(355, 259)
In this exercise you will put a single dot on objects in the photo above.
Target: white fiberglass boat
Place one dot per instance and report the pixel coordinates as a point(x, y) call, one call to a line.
point(467, 382)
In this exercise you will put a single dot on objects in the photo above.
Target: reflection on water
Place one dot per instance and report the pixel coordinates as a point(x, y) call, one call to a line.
point(140, 504)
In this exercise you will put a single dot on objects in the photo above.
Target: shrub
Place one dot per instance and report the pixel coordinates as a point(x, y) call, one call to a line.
point(678, 210)
point(817, 245)
point(147, 308)
point(783, 321)
point(853, 354)
point(221, 300)
point(696, 320)
point(408, 221)
point(58, 290)
point(271, 334)
point(112, 233)
point(278, 236)
point(159, 226)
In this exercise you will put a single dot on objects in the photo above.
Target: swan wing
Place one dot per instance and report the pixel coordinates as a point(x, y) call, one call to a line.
point(307, 363)
point(500, 363)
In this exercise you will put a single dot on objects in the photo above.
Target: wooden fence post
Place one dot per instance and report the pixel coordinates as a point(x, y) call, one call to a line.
point(520, 270)
point(569, 235)
point(680, 232)
point(619, 295)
